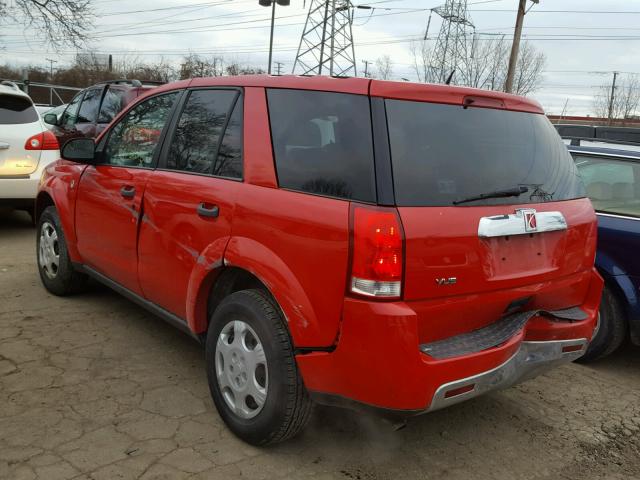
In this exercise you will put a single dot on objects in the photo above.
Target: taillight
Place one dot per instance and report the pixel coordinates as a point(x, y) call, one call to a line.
point(376, 252)
point(42, 141)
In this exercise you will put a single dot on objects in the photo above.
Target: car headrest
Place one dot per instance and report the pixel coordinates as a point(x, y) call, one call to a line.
point(599, 191)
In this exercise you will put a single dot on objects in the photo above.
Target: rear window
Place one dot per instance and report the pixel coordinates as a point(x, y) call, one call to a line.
point(443, 154)
point(14, 109)
point(322, 143)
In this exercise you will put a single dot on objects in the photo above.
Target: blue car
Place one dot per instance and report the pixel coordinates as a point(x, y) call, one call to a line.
point(611, 174)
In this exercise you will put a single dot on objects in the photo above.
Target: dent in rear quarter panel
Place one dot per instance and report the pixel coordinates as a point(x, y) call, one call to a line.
point(298, 245)
point(61, 183)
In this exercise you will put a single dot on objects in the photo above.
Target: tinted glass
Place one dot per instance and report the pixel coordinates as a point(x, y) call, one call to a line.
point(15, 110)
point(133, 141)
point(112, 103)
point(322, 143)
point(195, 141)
point(613, 185)
point(445, 153)
point(70, 115)
point(89, 108)
point(229, 161)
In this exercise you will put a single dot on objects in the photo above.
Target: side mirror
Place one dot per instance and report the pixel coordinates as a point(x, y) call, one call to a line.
point(81, 150)
point(51, 119)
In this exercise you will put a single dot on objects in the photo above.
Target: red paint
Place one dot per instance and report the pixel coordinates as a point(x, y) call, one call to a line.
point(298, 245)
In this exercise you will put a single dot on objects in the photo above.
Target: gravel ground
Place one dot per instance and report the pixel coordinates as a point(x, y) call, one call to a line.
point(94, 387)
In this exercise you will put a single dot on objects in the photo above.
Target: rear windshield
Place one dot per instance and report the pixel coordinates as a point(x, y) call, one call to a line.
point(14, 109)
point(446, 155)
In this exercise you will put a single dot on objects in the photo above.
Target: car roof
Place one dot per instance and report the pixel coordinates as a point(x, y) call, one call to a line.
point(364, 86)
point(605, 151)
point(10, 88)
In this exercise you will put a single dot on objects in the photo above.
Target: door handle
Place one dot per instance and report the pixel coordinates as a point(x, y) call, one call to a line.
point(128, 191)
point(208, 210)
point(4, 146)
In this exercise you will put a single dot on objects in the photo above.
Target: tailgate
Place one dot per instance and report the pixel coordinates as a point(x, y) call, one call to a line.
point(447, 256)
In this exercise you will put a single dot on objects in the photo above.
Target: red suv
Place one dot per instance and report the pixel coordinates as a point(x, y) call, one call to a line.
point(350, 241)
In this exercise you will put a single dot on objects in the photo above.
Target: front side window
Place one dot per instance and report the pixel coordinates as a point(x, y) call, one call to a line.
point(322, 143)
point(70, 115)
point(445, 155)
point(111, 105)
point(194, 146)
point(613, 185)
point(133, 141)
point(89, 108)
point(15, 109)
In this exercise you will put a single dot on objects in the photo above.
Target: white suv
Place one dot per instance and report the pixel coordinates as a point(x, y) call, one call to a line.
point(26, 148)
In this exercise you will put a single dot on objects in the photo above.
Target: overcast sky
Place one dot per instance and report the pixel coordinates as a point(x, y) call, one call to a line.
point(584, 40)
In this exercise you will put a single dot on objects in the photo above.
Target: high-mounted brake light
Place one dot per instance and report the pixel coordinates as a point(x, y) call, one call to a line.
point(377, 252)
point(42, 141)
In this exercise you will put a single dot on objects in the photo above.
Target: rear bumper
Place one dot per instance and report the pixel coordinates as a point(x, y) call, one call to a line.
point(20, 192)
point(378, 361)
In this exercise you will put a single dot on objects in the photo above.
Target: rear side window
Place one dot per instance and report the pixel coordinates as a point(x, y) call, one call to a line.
point(70, 115)
point(195, 142)
point(443, 154)
point(322, 143)
point(112, 104)
point(89, 108)
point(613, 185)
point(14, 109)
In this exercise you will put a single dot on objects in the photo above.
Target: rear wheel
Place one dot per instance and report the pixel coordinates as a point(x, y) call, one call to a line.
point(54, 265)
point(612, 331)
point(252, 372)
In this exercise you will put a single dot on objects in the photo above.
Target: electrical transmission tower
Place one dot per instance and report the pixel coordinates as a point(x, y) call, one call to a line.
point(451, 47)
point(326, 45)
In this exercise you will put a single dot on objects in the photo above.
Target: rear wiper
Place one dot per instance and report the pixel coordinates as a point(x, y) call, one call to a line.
point(509, 192)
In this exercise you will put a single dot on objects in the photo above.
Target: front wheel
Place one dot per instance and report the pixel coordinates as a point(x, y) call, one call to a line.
point(54, 265)
point(252, 372)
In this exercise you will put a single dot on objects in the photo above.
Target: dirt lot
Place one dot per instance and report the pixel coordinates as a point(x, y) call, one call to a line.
point(94, 387)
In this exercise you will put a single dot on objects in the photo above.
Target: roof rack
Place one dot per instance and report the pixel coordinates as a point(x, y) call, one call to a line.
point(615, 135)
point(130, 81)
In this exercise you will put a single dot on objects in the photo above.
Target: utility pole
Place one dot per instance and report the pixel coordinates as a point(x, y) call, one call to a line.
point(51, 62)
point(366, 68)
point(613, 96)
point(515, 47)
point(272, 4)
point(279, 66)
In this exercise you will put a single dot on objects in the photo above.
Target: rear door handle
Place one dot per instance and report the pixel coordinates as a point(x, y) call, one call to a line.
point(208, 210)
point(128, 191)
point(4, 146)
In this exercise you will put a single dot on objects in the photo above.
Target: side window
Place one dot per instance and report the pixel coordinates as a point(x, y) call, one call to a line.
point(195, 142)
point(322, 143)
point(612, 185)
point(89, 108)
point(229, 161)
point(133, 141)
point(70, 115)
point(112, 103)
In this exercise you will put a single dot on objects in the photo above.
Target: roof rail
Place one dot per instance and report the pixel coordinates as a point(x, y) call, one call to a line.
point(575, 141)
point(130, 81)
point(11, 84)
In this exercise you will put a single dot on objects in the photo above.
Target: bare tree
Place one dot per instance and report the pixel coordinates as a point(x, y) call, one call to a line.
point(486, 62)
point(421, 52)
point(63, 22)
point(626, 99)
point(194, 65)
point(384, 67)
point(235, 68)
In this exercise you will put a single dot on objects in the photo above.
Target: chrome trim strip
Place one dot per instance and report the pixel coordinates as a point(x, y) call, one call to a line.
point(592, 153)
point(515, 224)
point(617, 216)
point(531, 359)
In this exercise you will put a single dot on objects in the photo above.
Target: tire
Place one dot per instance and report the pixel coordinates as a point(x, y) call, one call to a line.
point(54, 266)
point(613, 328)
point(281, 407)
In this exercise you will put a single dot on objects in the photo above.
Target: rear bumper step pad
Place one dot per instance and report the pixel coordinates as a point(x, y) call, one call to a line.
point(494, 334)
